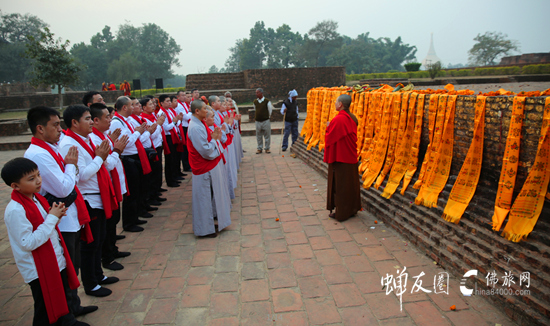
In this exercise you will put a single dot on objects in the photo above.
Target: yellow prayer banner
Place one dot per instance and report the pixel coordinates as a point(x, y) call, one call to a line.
point(413, 159)
point(432, 116)
point(510, 163)
point(527, 207)
point(468, 177)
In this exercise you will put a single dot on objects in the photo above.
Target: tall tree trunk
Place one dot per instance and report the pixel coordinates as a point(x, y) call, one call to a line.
point(60, 98)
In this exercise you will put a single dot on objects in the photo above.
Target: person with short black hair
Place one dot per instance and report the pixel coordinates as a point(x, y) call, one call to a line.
point(170, 126)
point(158, 138)
point(59, 178)
point(195, 95)
point(183, 107)
point(92, 97)
point(38, 248)
point(341, 155)
point(97, 189)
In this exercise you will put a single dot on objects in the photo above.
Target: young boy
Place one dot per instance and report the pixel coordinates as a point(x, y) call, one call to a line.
point(38, 248)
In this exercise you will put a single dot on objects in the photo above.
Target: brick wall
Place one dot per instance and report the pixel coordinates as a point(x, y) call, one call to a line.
point(52, 100)
point(275, 82)
point(472, 244)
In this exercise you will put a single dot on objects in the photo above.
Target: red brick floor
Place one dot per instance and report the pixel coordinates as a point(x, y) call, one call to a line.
point(304, 269)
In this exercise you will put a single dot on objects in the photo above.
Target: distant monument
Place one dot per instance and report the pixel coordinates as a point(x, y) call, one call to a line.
point(431, 58)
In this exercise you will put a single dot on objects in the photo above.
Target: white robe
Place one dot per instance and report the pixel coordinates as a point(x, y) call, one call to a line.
point(210, 191)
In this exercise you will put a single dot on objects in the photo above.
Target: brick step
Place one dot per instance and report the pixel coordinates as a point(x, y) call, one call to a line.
point(470, 245)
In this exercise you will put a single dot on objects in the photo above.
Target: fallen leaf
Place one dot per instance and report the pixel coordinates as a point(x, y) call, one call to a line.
point(397, 267)
point(453, 307)
point(277, 219)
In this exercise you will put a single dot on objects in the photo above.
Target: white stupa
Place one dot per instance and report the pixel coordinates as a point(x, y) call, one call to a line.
point(431, 58)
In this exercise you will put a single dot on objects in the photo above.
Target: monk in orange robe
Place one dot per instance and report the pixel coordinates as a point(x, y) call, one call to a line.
point(112, 87)
point(103, 87)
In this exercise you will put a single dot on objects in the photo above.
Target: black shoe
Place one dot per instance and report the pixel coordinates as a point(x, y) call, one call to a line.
point(180, 178)
point(85, 310)
point(140, 222)
point(120, 237)
point(133, 228)
point(151, 208)
point(173, 185)
point(284, 149)
point(163, 190)
point(211, 235)
point(182, 174)
point(101, 292)
point(109, 280)
point(160, 199)
point(114, 266)
point(122, 254)
point(155, 202)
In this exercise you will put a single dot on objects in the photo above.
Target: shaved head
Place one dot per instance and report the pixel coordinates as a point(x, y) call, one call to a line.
point(345, 99)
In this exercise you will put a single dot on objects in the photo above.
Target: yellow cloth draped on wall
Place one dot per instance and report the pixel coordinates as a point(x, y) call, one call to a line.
point(404, 152)
point(510, 163)
point(398, 120)
point(367, 148)
point(433, 109)
point(527, 207)
point(317, 118)
point(307, 128)
point(468, 177)
point(380, 144)
point(413, 158)
point(438, 172)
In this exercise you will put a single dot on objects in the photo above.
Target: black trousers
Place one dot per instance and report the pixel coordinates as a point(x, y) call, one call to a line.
point(156, 174)
point(90, 265)
point(185, 154)
point(72, 241)
point(40, 313)
point(169, 162)
point(132, 169)
point(109, 248)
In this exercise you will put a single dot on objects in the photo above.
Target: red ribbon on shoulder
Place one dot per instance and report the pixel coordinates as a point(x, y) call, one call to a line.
point(200, 165)
point(82, 211)
point(114, 172)
point(46, 261)
point(173, 134)
point(106, 190)
point(145, 166)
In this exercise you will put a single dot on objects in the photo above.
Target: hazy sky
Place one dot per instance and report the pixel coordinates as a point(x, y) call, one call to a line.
point(206, 29)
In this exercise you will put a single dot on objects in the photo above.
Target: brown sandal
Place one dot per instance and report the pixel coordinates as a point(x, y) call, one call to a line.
point(267, 151)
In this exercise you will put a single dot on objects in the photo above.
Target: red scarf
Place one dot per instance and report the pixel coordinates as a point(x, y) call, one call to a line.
point(229, 136)
point(209, 131)
point(140, 121)
point(114, 172)
point(200, 165)
point(82, 212)
point(153, 119)
point(145, 166)
point(184, 106)
point(46, 261)
point(174, 135)
point(341, 140)
point(106, 190)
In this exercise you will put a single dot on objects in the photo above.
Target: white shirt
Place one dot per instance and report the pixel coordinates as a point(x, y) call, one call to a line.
point(185, 109)
point(24, 240)
point(88, 168)
point(56, 182)
point(167, 126)
point(130, 148)
point(284, 107)
point(112, 162)
point(157, 135)
point(269, 105)
point(145, 137)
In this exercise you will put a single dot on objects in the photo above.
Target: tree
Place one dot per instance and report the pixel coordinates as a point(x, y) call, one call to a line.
point(325, 38)
point(489, 47)
point(125, 68)
point(95, 63)
point(53, 64)
point(213, 70)
point(14, 29)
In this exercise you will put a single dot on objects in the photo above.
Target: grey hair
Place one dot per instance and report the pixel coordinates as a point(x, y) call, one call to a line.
point(228, 93)
point(212, 99)
point(221, 98)
point(121, 101)
point(260, 90)
point(210, 110)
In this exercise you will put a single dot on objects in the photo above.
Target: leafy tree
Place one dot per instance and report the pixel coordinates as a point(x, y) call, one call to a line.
point(324, 39)
point(95, 63)
point(213, 70)
point(489, 47)
point(434, 69)
point(53, 64)
point(14, 29)
point(127, 67)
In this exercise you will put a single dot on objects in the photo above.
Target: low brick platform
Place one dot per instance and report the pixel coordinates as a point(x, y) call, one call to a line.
point(469, 245)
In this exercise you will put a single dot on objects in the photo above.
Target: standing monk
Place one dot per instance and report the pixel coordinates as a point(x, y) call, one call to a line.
point(126, 88)
point(341, 156)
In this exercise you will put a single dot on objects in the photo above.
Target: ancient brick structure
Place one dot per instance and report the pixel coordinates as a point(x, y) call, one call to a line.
point(27, 101)
point(472, 244)
point(275, 82)
point(526, 58)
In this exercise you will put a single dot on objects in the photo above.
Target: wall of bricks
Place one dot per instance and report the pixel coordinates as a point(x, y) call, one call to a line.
point(28, 101)
point(275, 82)
point(472, 244)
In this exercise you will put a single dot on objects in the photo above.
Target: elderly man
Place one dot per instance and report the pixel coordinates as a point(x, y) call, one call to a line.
point(290, 112)
point(263, 109)
point(341, 156)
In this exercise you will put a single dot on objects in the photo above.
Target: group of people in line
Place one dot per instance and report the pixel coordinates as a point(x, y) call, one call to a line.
point(73, 186)
point(124, 86)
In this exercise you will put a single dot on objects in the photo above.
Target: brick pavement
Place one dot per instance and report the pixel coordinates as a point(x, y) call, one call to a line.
point(303, 269)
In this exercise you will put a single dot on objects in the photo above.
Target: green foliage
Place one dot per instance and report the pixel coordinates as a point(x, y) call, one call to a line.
point(536, 69)
point(155, 92)
point(125, 68)
point(489, 47)
point(14, 29)
point(412, 66)
point(434, 69)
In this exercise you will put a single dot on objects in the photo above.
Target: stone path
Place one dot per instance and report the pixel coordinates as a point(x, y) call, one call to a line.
point(302, 269)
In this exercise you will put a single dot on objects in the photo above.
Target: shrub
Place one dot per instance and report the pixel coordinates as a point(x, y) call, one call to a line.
point(412, 66)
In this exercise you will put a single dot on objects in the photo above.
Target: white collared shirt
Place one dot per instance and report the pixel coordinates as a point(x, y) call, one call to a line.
point(88, 168)
point(185, 109)
point(56, 182)
point(130, 148)
point(24, 240)
point(145, 137)
point(112, 162)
